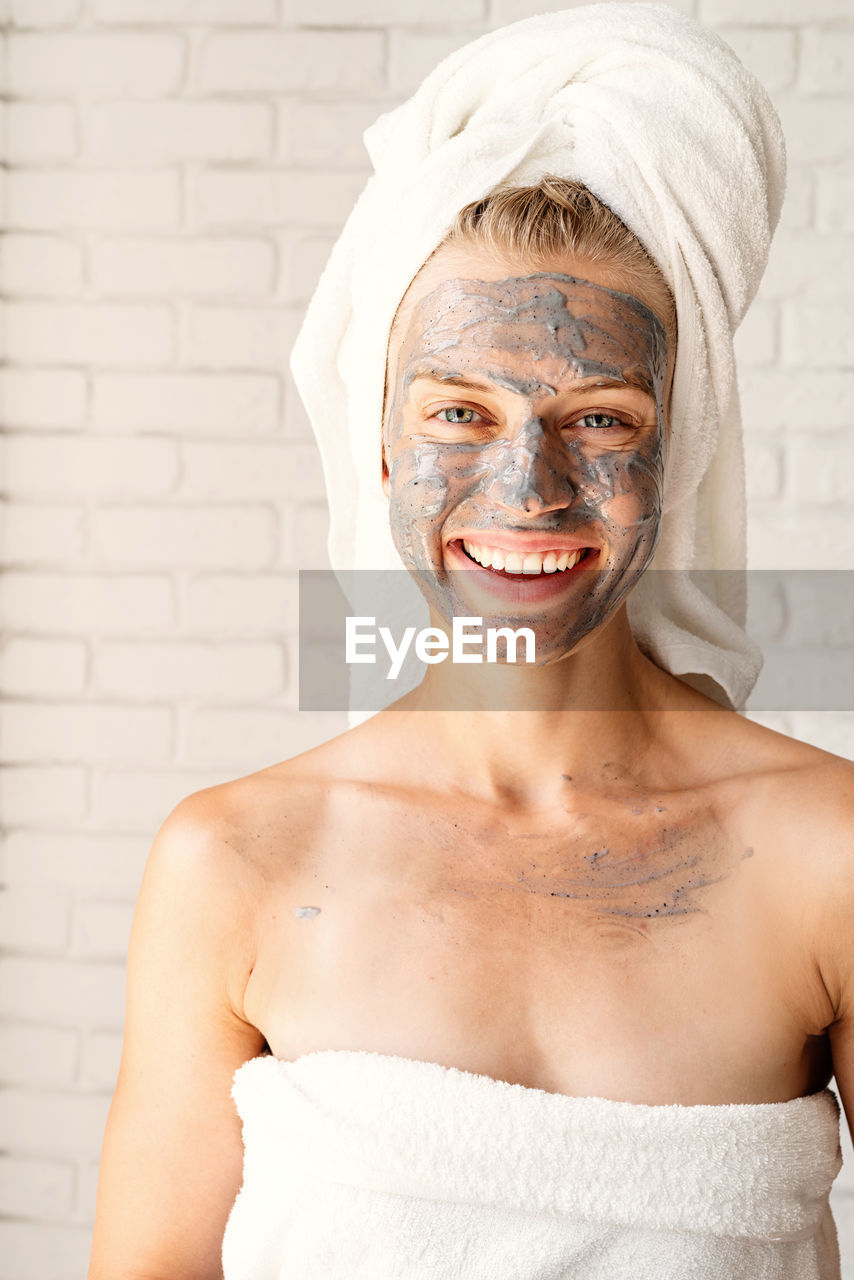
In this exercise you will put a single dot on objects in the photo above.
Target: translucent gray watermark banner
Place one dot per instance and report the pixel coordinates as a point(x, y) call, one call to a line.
point(365, 639)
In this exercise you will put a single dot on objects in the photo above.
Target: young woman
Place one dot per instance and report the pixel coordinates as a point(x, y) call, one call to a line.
point(544, 971)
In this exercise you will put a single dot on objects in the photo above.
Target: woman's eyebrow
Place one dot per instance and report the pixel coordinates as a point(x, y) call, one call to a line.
point(449, 380)
point(639, 379)
point(636, 379)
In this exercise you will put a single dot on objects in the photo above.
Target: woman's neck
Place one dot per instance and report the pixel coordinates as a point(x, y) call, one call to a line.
point(516, 733)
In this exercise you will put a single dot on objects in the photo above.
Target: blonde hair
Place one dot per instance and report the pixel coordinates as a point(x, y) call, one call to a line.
point(559, 217)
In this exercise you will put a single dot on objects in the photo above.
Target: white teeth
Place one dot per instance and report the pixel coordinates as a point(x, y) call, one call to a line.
point(533, 562)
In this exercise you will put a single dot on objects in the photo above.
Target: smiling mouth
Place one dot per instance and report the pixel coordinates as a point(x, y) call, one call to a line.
point(519, 566)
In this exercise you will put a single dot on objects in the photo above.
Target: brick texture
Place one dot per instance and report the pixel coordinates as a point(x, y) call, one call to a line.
point(81, 603)
point(291, 62)
point(184, 12)
point(135, 800)
point(40, 1252)
point(50, 199)
point(42, 535)
point(48, 333)
point(44, 797)
point(41, 265)
point(177, 171)
point(35, 1189)
point(43, 668)
point(94, 65)
point(185, 537)
point(381, 13)
point(40, 132)
point(186, 404)
point(38, 466)
point(38, 1056)
point(40, 397)
point(836, 199)
point(149, 132)
point(188, 267)
point(44, 13)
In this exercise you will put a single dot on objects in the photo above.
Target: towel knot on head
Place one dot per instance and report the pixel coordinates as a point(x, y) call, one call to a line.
point(658, 118)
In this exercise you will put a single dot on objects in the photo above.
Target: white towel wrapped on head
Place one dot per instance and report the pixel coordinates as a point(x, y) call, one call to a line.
point(657, 116)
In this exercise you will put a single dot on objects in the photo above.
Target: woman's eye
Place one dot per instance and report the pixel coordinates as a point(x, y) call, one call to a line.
point(601, 421)
point(458, 414)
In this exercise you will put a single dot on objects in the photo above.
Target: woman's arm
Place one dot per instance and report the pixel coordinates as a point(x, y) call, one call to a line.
point(835, 933)
point(842, 1029)
point(172, 1158)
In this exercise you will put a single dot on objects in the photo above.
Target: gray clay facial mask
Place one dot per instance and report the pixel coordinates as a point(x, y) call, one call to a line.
point(491, 431)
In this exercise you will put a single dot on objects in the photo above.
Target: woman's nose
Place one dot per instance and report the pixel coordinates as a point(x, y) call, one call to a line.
point(531, 472)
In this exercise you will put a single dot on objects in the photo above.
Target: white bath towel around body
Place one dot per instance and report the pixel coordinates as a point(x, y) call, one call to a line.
point(657, 116)
point(363, 1166)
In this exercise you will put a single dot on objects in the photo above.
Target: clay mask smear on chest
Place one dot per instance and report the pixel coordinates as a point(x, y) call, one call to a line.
point(530, 405)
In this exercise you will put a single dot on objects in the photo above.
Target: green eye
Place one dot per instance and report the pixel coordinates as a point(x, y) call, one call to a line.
point(456, 413)
point(600, 421)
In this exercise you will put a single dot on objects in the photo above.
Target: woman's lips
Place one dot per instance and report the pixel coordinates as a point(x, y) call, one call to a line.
point(532, 588)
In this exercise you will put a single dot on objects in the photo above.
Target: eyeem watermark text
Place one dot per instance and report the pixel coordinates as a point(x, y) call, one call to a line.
point(431, 644)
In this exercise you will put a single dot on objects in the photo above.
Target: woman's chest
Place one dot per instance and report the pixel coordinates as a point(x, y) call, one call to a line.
point(628, 955)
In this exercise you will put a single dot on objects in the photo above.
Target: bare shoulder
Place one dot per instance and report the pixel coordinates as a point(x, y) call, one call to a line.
point(806, 793)
point(800, 804)
point(230, 838)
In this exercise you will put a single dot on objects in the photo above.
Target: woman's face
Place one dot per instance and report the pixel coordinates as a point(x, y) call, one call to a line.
point(524, 441)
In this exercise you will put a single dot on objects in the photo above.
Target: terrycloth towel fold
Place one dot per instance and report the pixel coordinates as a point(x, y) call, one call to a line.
point(363, 1166)
point(662, 122)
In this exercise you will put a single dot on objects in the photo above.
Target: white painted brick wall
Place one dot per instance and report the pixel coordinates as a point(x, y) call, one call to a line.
point(184, 537)
point(135, 800)
point(38, 1057)
point(169, 669)
point(291, 62)
point(240, 337)
point(51, 199)
point(40, 132)
point(48, 333)
point(40, 265)
point(38, 535)
point(243, 12)
point(47, 13)
point(260, 604)
point(52, 603)
point(142, 132)
point(94, 65)
point(42, 397)
point(42, 668)
point(36, 1188)
point(227, 198)
point(187, 404)
point(178, 170)
point(43, 797)
point(226, 266)
point(51, 466)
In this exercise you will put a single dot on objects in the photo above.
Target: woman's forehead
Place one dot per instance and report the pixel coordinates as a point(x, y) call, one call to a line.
point(465, 298)
point(504, 327)
point(544, 311)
